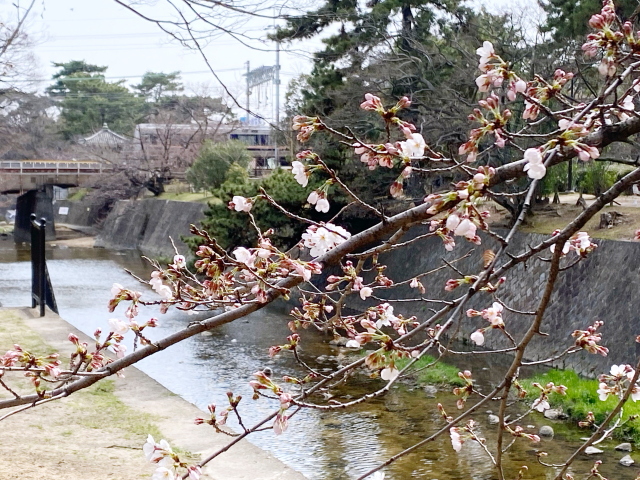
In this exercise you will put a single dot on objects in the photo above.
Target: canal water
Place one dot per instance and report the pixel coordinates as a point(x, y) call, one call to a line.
point(321, 445)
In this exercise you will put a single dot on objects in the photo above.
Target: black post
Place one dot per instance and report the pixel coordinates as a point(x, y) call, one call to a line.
point(41, 289)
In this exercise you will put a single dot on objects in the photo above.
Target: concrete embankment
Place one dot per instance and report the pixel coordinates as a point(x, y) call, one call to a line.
point(148, 226)
point(98, 434)
point(604, 286)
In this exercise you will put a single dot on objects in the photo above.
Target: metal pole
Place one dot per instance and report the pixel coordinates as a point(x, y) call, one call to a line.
point(277, 102)
point(248, 92)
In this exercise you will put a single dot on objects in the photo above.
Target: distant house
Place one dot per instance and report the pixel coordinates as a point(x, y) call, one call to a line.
point(167, 147)
point(177, 144)
point(104, 138)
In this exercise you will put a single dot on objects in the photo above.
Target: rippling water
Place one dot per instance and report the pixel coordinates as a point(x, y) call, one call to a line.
point(321, 445)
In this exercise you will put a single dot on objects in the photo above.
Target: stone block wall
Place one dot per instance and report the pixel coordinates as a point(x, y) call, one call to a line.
point(603, 287)
point(147, 225)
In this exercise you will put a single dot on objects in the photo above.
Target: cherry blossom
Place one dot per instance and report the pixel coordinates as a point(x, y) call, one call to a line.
point(245, 256)
point(163, 473)
point(541, 404)
point(456, 439)
point(156, 451)
point(414, 146)
point(118, 326)
point(300, 173)
point(322, 239)
point(535, 167)
point(116, 289)
point(389, 374)
point(319, 200)
point(466, 229)
point(486, 52)
point(477, 337)
point(179, 262)
point(194, 472)
point(241, 204)
point(365, 292)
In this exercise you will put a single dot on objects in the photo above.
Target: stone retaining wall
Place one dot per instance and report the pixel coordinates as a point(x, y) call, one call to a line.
point(147, 225)
point(602, 287)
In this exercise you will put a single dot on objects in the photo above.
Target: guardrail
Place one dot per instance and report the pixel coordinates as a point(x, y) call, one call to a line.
point(41, 289)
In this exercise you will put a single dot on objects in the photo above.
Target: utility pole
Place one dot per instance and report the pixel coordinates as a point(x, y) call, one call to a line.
point(248, 92)
point(277, 81)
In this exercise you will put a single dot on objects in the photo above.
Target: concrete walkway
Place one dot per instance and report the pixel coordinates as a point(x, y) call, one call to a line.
point(114, 451)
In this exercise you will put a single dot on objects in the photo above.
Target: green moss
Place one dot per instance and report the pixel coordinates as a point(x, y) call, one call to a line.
point(78, 195)
point(429, 373)
point(581, 398)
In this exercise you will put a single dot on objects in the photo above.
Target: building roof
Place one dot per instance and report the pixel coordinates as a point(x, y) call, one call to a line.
point(104, 138)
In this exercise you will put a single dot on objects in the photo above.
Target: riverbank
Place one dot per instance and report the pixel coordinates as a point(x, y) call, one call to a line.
point(99, 433)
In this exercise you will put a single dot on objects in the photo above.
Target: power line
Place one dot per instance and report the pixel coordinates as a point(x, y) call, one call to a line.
point(80, 79)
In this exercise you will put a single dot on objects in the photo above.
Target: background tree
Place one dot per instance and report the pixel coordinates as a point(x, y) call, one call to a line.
point(155, 85)
point(16, 55)
point(88, 101)
point(214, 160)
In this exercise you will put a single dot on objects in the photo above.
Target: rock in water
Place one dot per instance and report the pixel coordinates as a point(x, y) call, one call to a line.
point(430, 390)
point(546, 431)
point(554, 414)
point(592, 450)
point(493, 419)
point(626, 461)
point(624, 447)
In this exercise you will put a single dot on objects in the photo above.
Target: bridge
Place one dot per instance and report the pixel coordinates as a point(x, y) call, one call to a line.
point(18, 176)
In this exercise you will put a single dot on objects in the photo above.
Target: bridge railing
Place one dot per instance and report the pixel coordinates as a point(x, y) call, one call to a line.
point(50, 166)
point(41, 289)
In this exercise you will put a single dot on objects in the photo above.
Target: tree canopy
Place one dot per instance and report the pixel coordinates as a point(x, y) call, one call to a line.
point(88, 101)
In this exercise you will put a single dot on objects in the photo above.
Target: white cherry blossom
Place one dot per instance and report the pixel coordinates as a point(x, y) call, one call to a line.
point(118, 326)
point(241, 204)
point(322, 239)
point(244, 256)
point(534, 167)
point(322, 205)
point(477, 337)
point(300, 173)
point(414, 146)
point(389, 374)
point(365, 292)
point(116, 289)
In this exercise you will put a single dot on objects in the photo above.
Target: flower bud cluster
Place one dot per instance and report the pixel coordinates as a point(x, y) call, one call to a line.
point(542, 402)
point(579, 242)
point(493, 315)
point(590, 338)
point(306, 126)
point(540, 92)
point(494, 122)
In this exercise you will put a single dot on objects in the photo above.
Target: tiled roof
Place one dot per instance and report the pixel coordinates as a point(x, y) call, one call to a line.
point(104, 138)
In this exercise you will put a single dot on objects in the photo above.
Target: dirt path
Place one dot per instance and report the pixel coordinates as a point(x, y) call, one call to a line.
point(98, 433)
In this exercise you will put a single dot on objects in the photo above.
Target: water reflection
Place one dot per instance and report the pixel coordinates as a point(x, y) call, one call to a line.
point(322, 445)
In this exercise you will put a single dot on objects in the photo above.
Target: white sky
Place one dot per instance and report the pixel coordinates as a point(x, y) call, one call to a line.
point(104, 33)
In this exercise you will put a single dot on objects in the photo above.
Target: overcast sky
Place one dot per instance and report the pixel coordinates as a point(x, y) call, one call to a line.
point(104, 33)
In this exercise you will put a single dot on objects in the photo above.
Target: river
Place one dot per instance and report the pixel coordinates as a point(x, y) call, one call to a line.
point(321, 445)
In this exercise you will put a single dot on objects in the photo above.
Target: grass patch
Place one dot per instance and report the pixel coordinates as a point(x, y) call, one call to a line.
point(199, 197)
point(102, 409)
point(13, 330)
point(436, 374)
point(581, 398)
